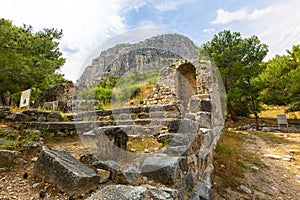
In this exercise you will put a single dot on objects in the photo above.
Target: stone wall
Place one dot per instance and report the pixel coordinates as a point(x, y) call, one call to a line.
point(178, 82)
point(185, 163)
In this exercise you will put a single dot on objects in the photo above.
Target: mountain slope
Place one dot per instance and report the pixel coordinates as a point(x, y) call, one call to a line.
point(150, 54)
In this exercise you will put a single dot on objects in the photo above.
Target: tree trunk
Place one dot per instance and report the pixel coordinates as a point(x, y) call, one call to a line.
point(253, 105)
point(231, 111)
point(3, 99)
point(229, 105)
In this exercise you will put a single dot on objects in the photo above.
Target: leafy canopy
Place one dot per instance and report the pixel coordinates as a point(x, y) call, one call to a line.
point(28, 59)
point(281, 80)
point(239, 60)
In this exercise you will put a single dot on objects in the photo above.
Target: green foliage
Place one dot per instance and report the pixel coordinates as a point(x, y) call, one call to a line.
point(13, 139)
point(239, 62)
point(28, 59)
point(120, 89)
point(280, 81)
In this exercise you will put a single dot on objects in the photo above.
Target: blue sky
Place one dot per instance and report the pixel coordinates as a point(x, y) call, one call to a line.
point(88, 23)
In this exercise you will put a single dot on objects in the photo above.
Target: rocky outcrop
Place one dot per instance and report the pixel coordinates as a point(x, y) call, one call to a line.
point(150, 54)
point(65, 172)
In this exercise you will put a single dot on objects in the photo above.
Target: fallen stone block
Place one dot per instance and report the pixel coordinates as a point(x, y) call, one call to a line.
point(164, 170)
point(65, 172)
point(120, 192)
point(124, 192)
point(129, 175)
point(110, 166)
point(112, 142)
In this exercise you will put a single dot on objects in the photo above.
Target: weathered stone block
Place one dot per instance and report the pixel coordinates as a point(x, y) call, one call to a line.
point(204, 119)
point(19, 117)
point(157, 115)
point(112, 142)
point(65, 172)
point(175, 151)
point(129, 175)
point(54, 117)
point(10, 159)
point(174, 139)
point(197, 105)
point(162, 169)
point(120, 192)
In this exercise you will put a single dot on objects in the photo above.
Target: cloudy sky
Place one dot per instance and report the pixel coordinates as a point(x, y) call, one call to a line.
point(88, 23)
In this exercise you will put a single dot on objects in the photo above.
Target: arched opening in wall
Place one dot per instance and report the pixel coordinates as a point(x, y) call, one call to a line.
point(186, 83)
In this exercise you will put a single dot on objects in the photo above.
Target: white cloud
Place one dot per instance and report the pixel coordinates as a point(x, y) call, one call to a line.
point(208, 30)
point(167, 6)
point(171, 5)
point(224, 17)
point(85, 24)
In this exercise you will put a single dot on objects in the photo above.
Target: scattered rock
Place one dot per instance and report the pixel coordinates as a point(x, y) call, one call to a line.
point(42, 194)
point(65, 172)
point(288, 158)
point(110, 166)
point(36, 185)
point(88, 158)
point(254, 168)
point(244, 189)
point(25, 175)
point(34, 159)
point(293, 151)
point(273, 156)
point(104, 175)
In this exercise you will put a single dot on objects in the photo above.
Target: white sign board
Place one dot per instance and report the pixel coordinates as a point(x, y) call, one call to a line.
point(281, 118)
point(25, 98)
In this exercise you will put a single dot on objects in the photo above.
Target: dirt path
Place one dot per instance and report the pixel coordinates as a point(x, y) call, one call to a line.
point(279, 179)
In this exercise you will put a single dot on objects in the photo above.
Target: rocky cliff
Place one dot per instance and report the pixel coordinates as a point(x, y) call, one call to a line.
point(150, 54)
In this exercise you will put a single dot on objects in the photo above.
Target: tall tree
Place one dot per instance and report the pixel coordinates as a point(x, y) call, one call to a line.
point(281, 80)
point(239, 60)
point(28, 59)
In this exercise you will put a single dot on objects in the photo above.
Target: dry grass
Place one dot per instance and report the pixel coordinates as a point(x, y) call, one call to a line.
point(231, 161)
point(146, 90)
point(272, 111)
point(226, 158)
point(143, 144)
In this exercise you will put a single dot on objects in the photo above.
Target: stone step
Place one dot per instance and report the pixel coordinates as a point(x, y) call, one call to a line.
point(143, 127)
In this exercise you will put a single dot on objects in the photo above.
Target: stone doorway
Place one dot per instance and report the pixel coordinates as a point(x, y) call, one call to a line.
point(185, 83)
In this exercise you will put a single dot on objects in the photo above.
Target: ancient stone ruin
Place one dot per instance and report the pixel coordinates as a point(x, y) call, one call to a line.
point(184, 112)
